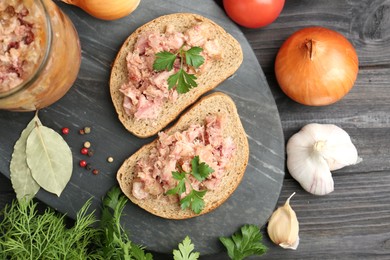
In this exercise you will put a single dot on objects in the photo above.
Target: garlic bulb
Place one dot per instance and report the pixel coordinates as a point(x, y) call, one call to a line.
point(283, 226)
point(315, 151)
point(106, 9)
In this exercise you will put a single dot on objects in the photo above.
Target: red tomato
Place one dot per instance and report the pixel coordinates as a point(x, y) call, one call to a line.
point(253, 13)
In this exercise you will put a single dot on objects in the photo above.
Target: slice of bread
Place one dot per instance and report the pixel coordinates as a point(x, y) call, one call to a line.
point(213, 104)
point(219, 71)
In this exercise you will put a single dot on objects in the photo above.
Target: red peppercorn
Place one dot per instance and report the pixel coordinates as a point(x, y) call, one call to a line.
point(83, 163)
point(84, 151)
point(95, 171)
point(65, 130)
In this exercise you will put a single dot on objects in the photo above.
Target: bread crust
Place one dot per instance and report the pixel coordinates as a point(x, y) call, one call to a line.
point(216, 103)
point(220, 70)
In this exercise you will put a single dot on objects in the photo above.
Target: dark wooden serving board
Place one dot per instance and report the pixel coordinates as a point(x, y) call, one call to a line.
point(88, 103)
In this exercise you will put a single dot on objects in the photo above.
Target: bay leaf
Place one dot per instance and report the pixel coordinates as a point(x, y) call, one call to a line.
point(49, 159)
point(22, 181)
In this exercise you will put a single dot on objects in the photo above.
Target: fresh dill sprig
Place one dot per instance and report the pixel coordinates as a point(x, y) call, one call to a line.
point(25, 234)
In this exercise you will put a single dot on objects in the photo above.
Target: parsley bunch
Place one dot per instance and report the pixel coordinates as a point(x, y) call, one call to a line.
point(181, 79)
point(114, 242)
point(244, 243)
point(195, 198)
point(185, 251)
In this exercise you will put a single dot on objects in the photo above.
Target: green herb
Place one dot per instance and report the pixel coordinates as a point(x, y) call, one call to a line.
point(24, 234)
point(114, 242)
point(164, 61)
point(193, 57)
point(244, 243)
point(200, 170)
point(182, 80)
point(185, 251)
point(194, 198)
point(41, 158)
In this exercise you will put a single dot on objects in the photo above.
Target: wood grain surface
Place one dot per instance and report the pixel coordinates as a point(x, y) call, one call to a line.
point(353, 222)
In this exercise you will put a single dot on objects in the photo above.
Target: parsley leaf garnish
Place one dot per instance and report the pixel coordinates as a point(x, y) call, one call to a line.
point(244, 243)
point(182, 80)
point(194, 199)
point(181, 186)
point(200, 170)
point(185, 251)
point(193, 57)
point(164, 61)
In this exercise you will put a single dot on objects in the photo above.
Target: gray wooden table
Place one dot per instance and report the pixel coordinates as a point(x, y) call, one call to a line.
point(353, 222)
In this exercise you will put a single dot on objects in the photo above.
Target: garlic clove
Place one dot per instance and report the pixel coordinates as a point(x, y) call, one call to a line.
point(283, 226)
point(288, 246)
point(315, 151)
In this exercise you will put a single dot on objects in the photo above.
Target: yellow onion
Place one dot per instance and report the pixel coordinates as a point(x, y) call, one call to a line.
point(106, 9)
point(316, 66)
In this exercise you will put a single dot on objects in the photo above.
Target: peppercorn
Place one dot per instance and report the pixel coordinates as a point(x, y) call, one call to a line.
point(87, 129)
point(110, 159)
point(87, 144)
point(90, 152)
point(95, 171)
point(83, 163)
point(65, 130)
point(88, 166)
point(84, 151)
point(81, 131)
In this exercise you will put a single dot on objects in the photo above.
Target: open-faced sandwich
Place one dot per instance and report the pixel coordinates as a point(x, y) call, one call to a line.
point(192, 167)
point(166, 65)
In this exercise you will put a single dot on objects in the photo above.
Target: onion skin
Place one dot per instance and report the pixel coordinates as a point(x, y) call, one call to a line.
point(106, 9)
point(316, 66)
